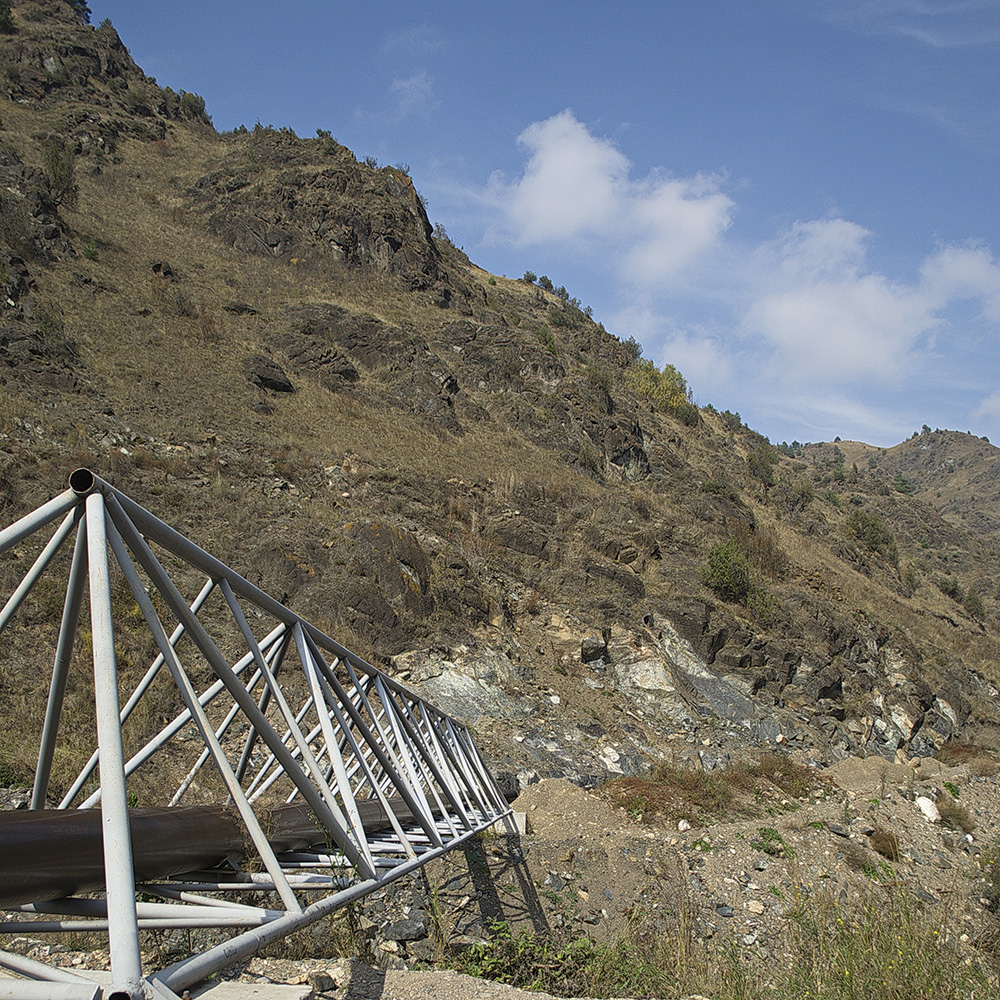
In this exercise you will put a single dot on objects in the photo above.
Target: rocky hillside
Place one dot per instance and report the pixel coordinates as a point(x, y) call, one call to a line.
point(462, 475)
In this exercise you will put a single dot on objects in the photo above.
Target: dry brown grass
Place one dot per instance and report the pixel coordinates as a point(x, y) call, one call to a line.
point(702, 797)
point(954, 814)
point(979, 760)
point(886, 843)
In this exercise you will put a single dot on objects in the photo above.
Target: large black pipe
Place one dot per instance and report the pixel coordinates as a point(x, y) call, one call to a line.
point(50, 853)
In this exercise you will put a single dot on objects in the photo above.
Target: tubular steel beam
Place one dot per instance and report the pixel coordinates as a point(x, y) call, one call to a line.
point(126, 962)
point(376, 781)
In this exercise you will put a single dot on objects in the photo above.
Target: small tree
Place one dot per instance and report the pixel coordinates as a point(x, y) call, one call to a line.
point(82, 10)
point(633, 348)
point(761, 461)
point(6, 20)
point(667, 389)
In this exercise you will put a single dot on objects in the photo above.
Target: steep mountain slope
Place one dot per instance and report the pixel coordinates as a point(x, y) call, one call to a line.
point(462, 475)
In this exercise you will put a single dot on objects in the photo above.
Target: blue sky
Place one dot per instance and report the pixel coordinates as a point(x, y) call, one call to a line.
point(796, 202)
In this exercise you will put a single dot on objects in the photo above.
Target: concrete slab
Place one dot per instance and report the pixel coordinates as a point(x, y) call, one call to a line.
point(13, 988)
point(252, 991)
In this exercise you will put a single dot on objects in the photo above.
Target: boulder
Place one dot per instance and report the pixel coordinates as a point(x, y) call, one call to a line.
point(266, 374)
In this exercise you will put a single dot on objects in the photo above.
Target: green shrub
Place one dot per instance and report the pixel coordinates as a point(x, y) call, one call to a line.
point(6, 21)
point(761, 462)
point(974, 604)
point(559, 317)
point(546, 339)
point(633, 348)
point(804, 491)
point(763, 606)
point(771, 842)
point(721, 487)
point(731, 421)
point(82, 10)
point(873, 533)
point(728, 571)
point(193, 106)
point(687, 413)
point(60, 169)
point(138, 100)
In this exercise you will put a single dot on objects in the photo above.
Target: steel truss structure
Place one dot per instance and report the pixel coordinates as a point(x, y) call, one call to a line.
point(297, 776)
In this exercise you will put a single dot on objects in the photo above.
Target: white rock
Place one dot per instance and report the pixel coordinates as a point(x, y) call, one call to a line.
point(683, 826)
point(929, 809)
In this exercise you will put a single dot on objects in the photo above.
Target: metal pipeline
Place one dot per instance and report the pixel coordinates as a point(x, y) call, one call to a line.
point(50, 853)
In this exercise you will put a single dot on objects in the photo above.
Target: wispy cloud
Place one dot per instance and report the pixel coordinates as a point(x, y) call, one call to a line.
point(413, 95)
point(418, 42)
point(831, 322)
point(938, 24)
point(989, 408)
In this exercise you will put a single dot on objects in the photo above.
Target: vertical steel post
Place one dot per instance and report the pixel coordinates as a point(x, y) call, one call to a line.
point(60, 668)
point(123, 929)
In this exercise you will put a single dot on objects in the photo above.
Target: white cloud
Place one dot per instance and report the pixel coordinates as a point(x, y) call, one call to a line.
point(964, 273)
point(413, 95)
point(577, 186)
point(571, 185)
point(705, 361)
point(677, 221)
point(828, 318)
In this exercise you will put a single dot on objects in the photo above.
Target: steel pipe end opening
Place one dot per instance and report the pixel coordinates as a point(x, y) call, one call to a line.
point(81, 481)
